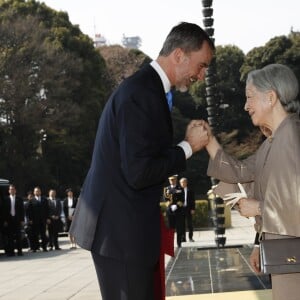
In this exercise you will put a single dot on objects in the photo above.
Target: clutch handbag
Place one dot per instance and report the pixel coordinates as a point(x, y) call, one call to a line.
point(280, 256)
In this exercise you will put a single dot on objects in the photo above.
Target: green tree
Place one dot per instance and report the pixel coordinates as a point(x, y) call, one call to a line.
point(292, 55)
point(230, 95)
point(229, 60)
point(280, 49)
point(52, 91)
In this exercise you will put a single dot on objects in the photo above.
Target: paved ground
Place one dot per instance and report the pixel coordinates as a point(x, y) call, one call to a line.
point(69, 274)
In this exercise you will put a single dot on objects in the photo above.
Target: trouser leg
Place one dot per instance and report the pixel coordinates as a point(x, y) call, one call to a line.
point(189, 218)
point(122, 281)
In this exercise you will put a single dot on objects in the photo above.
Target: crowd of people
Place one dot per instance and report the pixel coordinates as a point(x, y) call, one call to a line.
point(36, 221)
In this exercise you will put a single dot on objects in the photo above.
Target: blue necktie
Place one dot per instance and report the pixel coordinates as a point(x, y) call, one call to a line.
point(169, 98)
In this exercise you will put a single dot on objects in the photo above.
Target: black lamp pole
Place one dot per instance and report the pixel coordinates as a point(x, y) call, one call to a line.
point(210, 78)
point(212, 99)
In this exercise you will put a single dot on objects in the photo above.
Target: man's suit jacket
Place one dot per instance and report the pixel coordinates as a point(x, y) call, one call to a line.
point(190, 200)
point(38, 211)
point(44, 209)
point(32, 211)
point(1, 213)
point(19, 209)
point(54, 209)
point(118, 213)
point(66, 207)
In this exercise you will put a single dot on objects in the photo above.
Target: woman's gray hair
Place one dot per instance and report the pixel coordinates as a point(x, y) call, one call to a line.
point(280, 79)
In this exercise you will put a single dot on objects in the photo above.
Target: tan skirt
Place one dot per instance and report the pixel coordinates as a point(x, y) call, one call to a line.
point(284, 286)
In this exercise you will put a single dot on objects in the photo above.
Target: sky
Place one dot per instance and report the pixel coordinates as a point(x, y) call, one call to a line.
point(244, 23)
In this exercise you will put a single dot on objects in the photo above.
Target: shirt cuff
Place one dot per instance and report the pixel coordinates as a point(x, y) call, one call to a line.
point(186, 148)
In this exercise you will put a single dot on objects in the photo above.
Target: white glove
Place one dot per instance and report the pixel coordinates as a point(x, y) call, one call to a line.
point(232, 198)
point(173, 207)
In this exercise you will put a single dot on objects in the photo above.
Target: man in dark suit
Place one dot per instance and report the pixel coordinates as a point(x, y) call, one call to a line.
point(188, 207)
point(13, 221)
point(31, 214)
point(38, 218)
point(69, 206)
point(55, 224)
point(1, 219)
point(118, 215)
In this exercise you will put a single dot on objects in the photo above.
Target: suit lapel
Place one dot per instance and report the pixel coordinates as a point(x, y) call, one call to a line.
point(157, 85)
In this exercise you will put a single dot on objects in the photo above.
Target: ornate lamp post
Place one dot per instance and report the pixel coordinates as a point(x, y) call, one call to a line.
point(212, 108)
point(210, 79)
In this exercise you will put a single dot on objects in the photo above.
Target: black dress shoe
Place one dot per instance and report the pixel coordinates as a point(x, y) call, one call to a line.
point(20, 253)
point(57, 248)
point(45, 250)
point(191, 240)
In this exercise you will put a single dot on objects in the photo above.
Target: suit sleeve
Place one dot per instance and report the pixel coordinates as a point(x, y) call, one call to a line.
point(6, 209)
point(22, 210)
point(65, 208)
point(192, 195)
point(146, 155)
point(59, 208)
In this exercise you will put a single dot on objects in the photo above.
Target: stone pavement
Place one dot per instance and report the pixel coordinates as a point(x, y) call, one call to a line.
point(70, 274)
point(65, 274)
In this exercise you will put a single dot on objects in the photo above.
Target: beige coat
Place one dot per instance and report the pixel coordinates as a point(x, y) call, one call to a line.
point(275, 169)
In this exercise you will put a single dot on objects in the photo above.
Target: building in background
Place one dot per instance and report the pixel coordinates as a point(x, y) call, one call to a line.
point(132, 42)
point(99, 40)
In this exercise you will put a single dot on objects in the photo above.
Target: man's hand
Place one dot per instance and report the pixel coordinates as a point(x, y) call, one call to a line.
point(196, 135)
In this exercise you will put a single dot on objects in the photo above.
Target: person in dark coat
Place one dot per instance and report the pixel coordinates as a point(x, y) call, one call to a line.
point(13, 222)
point(117, 216)
point(69, 206)
point(1, 218)
point(29, 216)
point(55, 224)
point(38, 218)
point(188, 207)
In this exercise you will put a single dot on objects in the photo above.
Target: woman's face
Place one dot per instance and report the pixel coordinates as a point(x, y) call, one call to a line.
point(258, 105)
